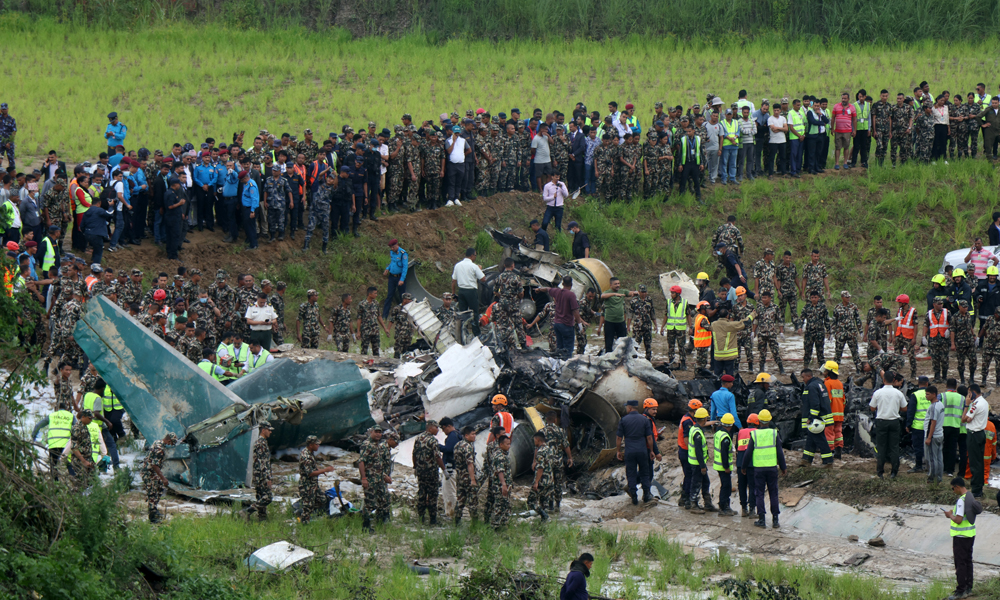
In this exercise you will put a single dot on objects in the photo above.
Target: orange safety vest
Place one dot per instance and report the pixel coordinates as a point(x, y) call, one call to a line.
point(507, 421)
point(904, 325)
point(652, 422)
point(8, 282)
point(702, 336)
point(743, 439)
point(485, 318)
point(939, 326)
point(835, 390)
point(301, 170)
point(90, 280)
point(681, 438)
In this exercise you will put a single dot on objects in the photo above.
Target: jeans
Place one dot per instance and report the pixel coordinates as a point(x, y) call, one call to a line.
point(637, 467)
point(744, 162)
point(795, 156)
point(727, 170)
point(917, 442)
point(393, 284)
point(565, 336)
point(613, 331)
point(553, 212)
point(935, 459)
point(119, 228)
point(976, 444)
point(887, 444)
point(590, 179)
point(109, 441)
point(712, 168)
point(775, 154)
point(248, 226)
point(97, 243)
point(157, 227)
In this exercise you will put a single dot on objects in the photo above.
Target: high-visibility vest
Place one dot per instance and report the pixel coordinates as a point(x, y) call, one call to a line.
point(652, 423)
point(810, 128)
point(209, 367)
point(230, 371)
point(741, 103)
point(702, 336)
point(60, 426)
point(111, 401)
point(720, 437)
point(964, 529)
point(50, 254)
point(743, 439)
point(697, 150)
point(677, 315)
point(765, 451)
point(255, 362)
point(984, 102)
point(95, 441)
point(796, 119)
point(696, 432)
point(904, 324)
point(729, 129)
point(507, 421)
point(864, 109)
point(835, 391)
point(301, 171)
point(240, 355)
point(632, 122)
point(681, 439)
point(954, 406)
point(939, 326)
point(93, 402)
point(922, 405)
point(90, 281)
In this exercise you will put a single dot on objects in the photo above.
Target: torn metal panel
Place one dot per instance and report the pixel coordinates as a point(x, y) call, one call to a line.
point(689, 291)
point(416, 289)
point(468, 374)
point(438, 337)
point(205, 496)
point(279, 556)
point(598, 410)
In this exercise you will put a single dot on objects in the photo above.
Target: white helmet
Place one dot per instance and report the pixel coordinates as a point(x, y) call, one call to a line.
point(817, 426)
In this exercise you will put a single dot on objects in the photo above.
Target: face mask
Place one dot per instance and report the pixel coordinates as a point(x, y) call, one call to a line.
point(203, 300)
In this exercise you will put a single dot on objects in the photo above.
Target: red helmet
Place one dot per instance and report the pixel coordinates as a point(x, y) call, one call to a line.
point(903, 298)
point(752, 419)
point(677, 289)
point(159, 295)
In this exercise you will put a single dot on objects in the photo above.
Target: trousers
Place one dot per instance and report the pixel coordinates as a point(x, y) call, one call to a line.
point(394, 285)
point(725, 489)
point(887, 444)
point(935, 460)
point(637, 471)
point(766, 477)
point(955, 450)
point(682, 455)
point(613, 331)
point(743, 483)
point(861, 147)
point(456, 179)
point(248, 227)
point(744, 162)
point(795, 158)
point(976, 447)
point(961, 548)
point(917, 441)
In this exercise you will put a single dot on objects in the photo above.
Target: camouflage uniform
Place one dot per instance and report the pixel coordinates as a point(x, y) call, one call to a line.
point(630, 179)
point(728, 234)
point(556, 440)
point(881, 112)
point(923, 129)
point(88, 383)
point(482, 146)
point(311, 498)
point(764, 270)
point(744, 339)
point(340, 321)
point(277, 191)
point(226, 301)
point(205, 318)
point(309, 316)
point(309, 149)
point(485, 482)
point(664, 169)
point(151, 484)
point(546, 460)
point(877, 332)
point(413, 158)
point(560, 154)
point(959, 132)
point(901, 116)
point(277, 302)
point(814, 276)
point(64, 390)
point(508, 157)
point(787, 294)
point(650, 152)
point(377, 494)
point(319, 211)
point(57, 204)
point(368, 312)
point(432, 171)
point(938, 348)
point(991, 347)
point(643, 317)
point(883, 362)
point(403, 330)
point(603, 160)
point(497, 143)
point(465, 455)
point(768, 321)
point(589, 314)
point(80, 438)
point(261, 479)
point(190, 292)
point(500, 504)
point(394, 174)
point(846, 327)
point(508, 318)
point(547, 314)
point(67, 322)
point(193, 349)
point(973, 125)
point(964, 327)
point(816, 320)
point(425, 457)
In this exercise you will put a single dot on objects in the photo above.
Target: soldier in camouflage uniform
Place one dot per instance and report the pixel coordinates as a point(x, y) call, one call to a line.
point(876, 367)
point(206, 314)
point(764, 272)
point(814, 276)
point(192, 347)
point(938, 345)
point(923, 129)
point(590, 310)
point(465, 475)
point(426, 462)
point(63, 386)
point(959, 141)
point(560, 153)
point(226, 301)
point(192, 288)
point(556, 440)
point(153, 481)
point(990, 332)
point(369, 321)
point(308, 320)
point(374, 478)
point(766, 327)
point(498, 143)
point(277, 302)
point(507, 312)
point(412, 170)
point(307, 147)
point(604, 165)
point(71, 352)
point(319, 209)
point(816, 321)
point(483, 160)
point(261, 479)
point(664, 166)
point(729, 234)
point(650, 152)
point(55, 203)
point(546, 314)
point(434, 167)
point(508, 158)
point(277, 196)
point(446, 314)
point(544, 465)
point(963, 336)
point(744, 339)
point(132, 290)
point(845, 328)
point(524, 155)
point(628, 161)
point(644, 323)
point(881, 114)
point(81, 463)
point(400, 320)
point(901, 115)
point(501, 484)
point(973, 122)
point(340, 324)
point(311, 498)
point(394, 174)
point(877, 334)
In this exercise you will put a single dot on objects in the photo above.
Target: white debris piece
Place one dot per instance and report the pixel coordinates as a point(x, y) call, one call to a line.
point(277, 557)
point(689, 291)
point(407, 370)
point(467, 376)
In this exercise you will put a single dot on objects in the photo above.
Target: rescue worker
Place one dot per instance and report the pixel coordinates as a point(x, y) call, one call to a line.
point(501, 418)
point(744, 479)
point(697, 458)
point(677, 322)
point(963, 536)
point(904, 334)
point(835, 393)
point(634, 447)
point(683, 431)
point(702, 335)
point(916, 411)
point(937, 323)
point(766, 458)
point(762, 396)
point(649, 408)
point(815, 407)
point(722, 461)
point(59, 423)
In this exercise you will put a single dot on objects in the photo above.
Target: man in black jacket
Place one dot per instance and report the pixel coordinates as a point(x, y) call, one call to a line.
point(174, 201)
point(159, 187)
point(95, 228)
point(577, 156)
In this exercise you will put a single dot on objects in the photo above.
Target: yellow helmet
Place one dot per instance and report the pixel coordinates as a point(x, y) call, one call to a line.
point(702, 275)
point(762, 378)
point(939, 278)
point(727, 419)
point(701, 413)
point(992, 270)
point(832, 367)
point(958, 273)
point(764, 416)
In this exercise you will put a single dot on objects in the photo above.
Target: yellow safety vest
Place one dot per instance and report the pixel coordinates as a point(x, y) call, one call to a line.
point(984, 102)
point(922, 405)
point(258, 361)
point(111, 401)
point(730, 128)
point(692, 456)
point(677, 315)
point(720, 436)
point(90, 399)
point(95, 441)
point(50, 255)
point(209, 367)
point(697, 150)
point(795, 118)
point(60, 426)
point(964, 529)
point(765, 451)
point(864, 109)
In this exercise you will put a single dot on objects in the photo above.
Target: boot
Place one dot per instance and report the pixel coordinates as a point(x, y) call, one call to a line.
point(696, 508)
point(774, 523)
point(271, 238)
point(760, 523)
point(744, 513)
point(305, 246)
point(646, 497)
point(972, 374)
point(541, 513)
point(836, 453)
point(709, 507)
point(324, 247)
point(433, 519)
point(683, 366)
point(420, 515)
point(366, 524)
point(686, 504)
point(458, 520)
point(281, 237)
point(154, 516)
point(781, 370)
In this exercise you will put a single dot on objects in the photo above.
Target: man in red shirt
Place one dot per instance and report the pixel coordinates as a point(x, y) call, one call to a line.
point(567, 316)
point(844, 126)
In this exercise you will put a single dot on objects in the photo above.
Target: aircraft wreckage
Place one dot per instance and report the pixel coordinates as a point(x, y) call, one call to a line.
point(454, 376)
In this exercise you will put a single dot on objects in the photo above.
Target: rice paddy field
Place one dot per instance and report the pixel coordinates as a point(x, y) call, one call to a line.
point(186, 82)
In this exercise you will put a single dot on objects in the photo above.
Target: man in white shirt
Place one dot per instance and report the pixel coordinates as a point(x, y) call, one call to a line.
point(975, 419)
point(465, 278)
point(554, 193)
point(777, 126)
point(261, 318)
point(457, 148)
point(886, 403)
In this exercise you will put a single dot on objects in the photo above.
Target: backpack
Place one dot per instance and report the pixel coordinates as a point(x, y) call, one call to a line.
point(109, 194)
point(972, 507)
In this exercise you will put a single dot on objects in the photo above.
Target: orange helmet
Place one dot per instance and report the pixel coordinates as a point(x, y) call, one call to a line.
point(752, 419)
point(694, 404)
point(649, 403)
point(499, 399)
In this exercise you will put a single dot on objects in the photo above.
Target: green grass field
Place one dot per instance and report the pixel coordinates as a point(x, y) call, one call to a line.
point(183, 83)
